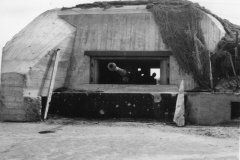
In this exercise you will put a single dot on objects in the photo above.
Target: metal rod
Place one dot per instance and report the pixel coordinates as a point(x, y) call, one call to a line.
point(236, 49)
point(210, 69)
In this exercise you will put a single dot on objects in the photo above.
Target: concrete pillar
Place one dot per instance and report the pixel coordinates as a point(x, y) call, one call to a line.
point(164, 72)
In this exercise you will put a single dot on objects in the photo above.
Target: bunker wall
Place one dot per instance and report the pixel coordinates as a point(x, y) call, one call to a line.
point(210, 108)
point(14, 106)
point(115, 31)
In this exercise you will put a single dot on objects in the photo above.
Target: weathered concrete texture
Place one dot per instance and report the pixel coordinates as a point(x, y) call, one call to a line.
point(28, 110)
point(114, 105)
point(45, 33)
point(13, 105)
point(210, 108)
point(32, 107)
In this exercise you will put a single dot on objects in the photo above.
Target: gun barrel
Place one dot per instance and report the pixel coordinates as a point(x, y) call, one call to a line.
point(114, 67)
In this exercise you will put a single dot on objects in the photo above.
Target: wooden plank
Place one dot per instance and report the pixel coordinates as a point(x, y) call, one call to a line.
point(52, 83)
point(210, 69)
point(179, 115)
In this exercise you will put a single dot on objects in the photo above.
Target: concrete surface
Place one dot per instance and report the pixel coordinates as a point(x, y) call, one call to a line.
point(114, 140)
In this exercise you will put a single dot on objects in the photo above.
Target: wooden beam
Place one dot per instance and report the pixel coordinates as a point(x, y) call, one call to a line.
point(128, 53)
point(52, 83)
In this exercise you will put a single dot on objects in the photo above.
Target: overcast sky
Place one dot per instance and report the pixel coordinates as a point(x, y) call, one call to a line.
point(16, 14)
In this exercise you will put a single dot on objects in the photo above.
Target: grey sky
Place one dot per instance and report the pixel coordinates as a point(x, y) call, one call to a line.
point(16, 14)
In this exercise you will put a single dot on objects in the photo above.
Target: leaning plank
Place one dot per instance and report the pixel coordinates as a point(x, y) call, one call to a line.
point(179, 118)
point(52, 83)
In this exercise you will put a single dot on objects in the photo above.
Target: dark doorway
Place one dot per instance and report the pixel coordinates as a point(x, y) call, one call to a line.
point(235, 110)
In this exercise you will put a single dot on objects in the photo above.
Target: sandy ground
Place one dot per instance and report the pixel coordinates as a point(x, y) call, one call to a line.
point(64, 139)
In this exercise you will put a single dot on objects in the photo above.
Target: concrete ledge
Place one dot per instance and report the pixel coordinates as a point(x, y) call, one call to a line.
point(122, 88)
point(114, 105)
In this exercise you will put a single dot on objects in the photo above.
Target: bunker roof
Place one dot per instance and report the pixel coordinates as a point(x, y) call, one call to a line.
point(229, 27)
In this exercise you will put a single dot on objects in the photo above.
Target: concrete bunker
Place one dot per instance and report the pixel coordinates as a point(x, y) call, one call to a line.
point(89, 39)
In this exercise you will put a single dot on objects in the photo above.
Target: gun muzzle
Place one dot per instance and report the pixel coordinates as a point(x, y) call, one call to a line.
point(114, 67)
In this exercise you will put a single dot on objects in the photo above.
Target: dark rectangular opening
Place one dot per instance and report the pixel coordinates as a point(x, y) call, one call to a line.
point(137, 71)
point(142, 67)
point(235, 110)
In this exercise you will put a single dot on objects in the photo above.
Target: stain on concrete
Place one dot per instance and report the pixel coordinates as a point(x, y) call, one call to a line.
point(157, 97)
